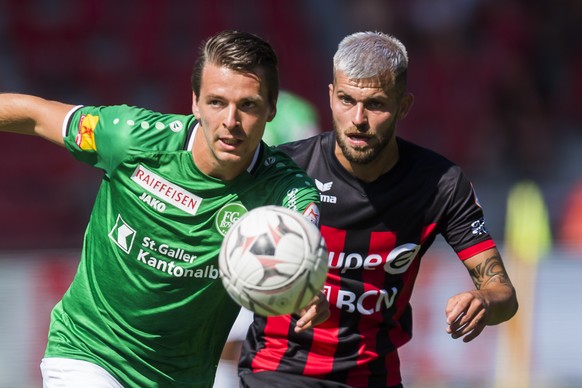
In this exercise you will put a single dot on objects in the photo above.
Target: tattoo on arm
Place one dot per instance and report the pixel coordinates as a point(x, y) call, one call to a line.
point(492, 270)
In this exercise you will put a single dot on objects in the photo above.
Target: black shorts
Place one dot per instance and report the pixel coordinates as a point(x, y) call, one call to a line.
point(286, 380)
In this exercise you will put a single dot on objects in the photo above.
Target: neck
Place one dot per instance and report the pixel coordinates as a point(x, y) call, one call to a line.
point(208, 163)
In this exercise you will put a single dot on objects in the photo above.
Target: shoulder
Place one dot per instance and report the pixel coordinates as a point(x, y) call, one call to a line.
point(430, 170)
point(284, 178)
point(276, 161)
point(276, 166)
point(414, 153)
point(423, 161)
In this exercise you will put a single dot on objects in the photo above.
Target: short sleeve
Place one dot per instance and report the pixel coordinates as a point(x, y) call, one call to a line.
point(464, 227)
point(103, 136)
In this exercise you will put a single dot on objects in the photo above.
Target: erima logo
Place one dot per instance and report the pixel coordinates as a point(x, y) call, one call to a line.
point(323, 187)
point(122, 234)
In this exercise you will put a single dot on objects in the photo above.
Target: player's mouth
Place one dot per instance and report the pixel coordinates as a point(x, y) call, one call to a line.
point(358, 139)
point(230, 143)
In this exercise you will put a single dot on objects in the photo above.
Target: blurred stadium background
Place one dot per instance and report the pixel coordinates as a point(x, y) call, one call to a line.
point(498, 89)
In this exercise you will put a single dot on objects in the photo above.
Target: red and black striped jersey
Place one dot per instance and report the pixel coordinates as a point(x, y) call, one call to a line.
point(376, 235)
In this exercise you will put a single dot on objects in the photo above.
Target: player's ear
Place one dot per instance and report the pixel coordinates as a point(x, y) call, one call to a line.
point(405, 104)
point(273, 111)
point(330, 87)
point(195, 109)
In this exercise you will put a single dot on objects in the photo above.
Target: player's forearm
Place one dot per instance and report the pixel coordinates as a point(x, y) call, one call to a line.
point(14, 117)
point(32, 115)
point(492, 282)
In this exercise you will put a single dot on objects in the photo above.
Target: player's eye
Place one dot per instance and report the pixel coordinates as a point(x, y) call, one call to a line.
point(374, 105)
point(347, 100)
point(214, 103)
point(248, 105)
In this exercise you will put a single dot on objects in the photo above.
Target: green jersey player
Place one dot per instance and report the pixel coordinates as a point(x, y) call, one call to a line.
point(146, 307)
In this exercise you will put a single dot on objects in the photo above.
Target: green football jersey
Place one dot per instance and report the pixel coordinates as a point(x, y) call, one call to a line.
point(147, 303)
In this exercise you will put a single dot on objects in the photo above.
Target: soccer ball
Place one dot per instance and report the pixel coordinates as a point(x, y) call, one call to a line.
point(273, 261)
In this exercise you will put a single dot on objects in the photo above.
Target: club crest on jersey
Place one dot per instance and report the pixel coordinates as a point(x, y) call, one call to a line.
point(165, 191)
point(228, 215)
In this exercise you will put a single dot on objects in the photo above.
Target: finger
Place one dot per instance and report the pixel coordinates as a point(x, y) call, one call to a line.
point(323, 314)
point(459, 321)
point(306, 320)
point(456, 308)
point(474, 333)
point(313, 314)
point(474, 309)
point(475, 314)
point(470, 325)
point(454, 325)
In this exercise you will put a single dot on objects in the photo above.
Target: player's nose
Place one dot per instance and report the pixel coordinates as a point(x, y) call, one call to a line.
point(231, 119)
point(359, 118)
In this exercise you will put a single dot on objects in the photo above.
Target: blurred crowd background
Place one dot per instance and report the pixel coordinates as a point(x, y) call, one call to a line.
point(497, 85)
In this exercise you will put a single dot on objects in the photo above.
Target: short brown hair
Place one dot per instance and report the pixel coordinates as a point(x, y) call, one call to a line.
point(240, 51)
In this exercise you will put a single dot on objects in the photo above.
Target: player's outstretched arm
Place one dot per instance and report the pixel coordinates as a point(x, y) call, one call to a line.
point(32, 115)
point(492, 302)
point(316, 312)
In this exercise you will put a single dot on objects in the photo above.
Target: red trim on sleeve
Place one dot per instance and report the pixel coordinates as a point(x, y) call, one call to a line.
point(475, 249)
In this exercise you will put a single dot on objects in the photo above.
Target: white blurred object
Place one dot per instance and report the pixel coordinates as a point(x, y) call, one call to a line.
point(226, 374)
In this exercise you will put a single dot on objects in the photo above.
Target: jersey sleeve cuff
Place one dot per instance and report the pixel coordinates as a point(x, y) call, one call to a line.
point(65, 129)
point(476, 249)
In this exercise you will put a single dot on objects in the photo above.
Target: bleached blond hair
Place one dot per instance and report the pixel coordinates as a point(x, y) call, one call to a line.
point(371, 54)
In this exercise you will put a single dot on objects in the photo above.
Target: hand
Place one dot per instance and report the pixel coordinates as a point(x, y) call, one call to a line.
point(316, 312)
point(466, 315)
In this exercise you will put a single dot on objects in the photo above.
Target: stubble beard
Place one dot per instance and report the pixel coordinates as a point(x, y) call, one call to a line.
point(360, 155)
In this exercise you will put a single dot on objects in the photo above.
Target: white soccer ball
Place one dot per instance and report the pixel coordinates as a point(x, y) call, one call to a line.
point(273, 261)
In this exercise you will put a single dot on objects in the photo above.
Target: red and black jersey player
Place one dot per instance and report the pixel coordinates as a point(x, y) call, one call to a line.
point(384, 200)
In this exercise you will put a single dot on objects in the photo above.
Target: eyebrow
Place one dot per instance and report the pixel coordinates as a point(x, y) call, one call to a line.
point(376, 96)
point(254, 98)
